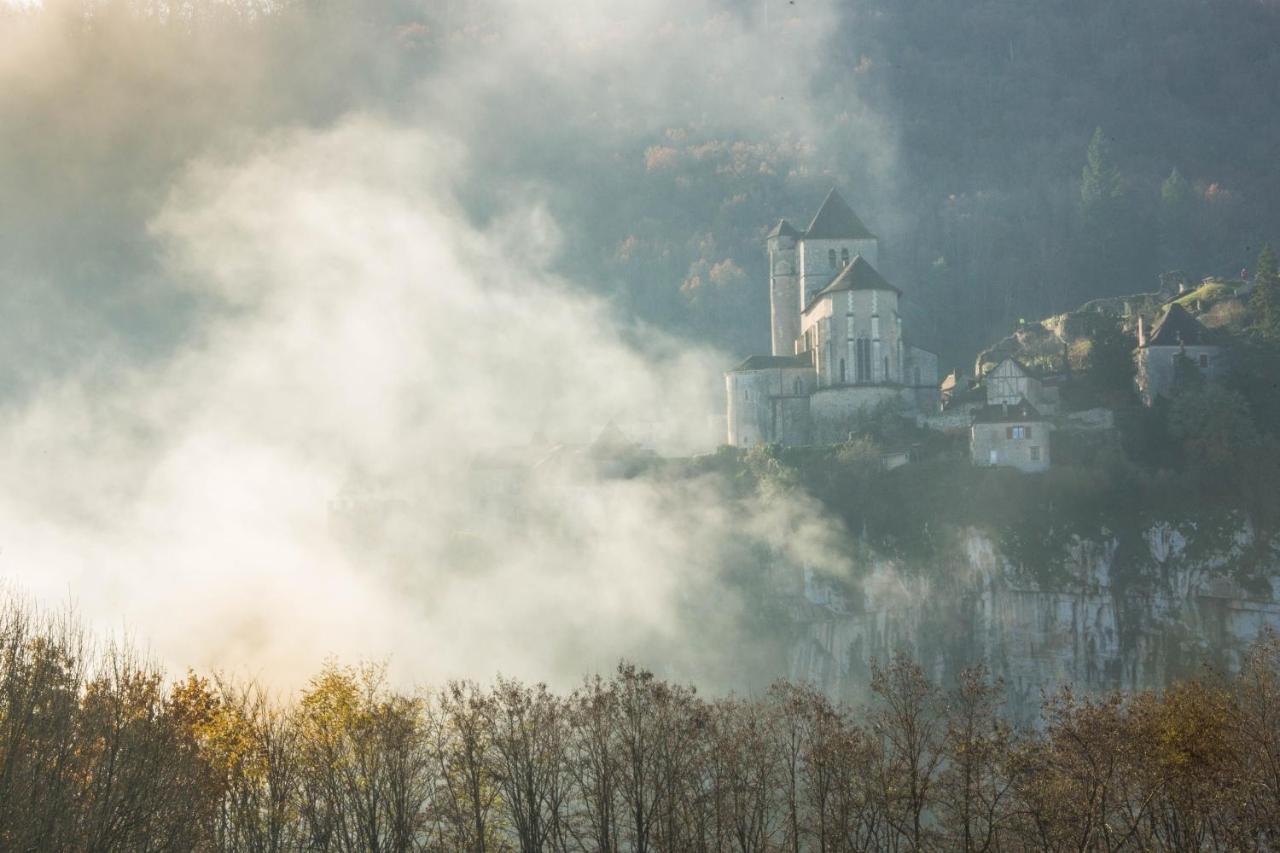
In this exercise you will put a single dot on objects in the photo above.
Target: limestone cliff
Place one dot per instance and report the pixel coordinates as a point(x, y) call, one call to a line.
point(1114, 611)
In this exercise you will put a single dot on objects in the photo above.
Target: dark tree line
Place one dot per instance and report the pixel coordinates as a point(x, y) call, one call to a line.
point(99, 752)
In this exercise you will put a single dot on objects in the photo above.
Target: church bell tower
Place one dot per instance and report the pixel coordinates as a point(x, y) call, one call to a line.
point(784, 287)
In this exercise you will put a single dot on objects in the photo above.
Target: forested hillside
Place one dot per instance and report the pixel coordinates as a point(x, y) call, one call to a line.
point(1000, 203)
point(963, 133)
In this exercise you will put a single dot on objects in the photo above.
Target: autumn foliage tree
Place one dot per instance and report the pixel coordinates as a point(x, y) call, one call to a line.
point(99, 751)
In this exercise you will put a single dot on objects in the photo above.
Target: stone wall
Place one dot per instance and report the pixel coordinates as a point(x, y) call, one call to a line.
point(767, 406)
point(1155, 373)
point(990, 444)
point(816, 270)
point(834, 411)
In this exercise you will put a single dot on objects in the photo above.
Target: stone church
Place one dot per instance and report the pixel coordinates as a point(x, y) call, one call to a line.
point(839, 347)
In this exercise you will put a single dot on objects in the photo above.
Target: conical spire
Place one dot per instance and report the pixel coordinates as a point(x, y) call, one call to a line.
point(783, 229)
point(835, 220)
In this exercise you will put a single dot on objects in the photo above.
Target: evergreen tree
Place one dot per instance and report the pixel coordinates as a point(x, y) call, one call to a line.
point(1101, 184)
point(1266, 295)
point(1177, 223)
point(1175, 191)
point(1117, 250)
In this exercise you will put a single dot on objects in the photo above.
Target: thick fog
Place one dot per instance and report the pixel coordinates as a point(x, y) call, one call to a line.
point(299, 360)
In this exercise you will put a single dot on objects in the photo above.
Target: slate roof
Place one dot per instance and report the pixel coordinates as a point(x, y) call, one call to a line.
point(1177, 328)
point(835, 220)
point(858, 275)
point(766, 362)
point(783, 229)
point(1018, 412)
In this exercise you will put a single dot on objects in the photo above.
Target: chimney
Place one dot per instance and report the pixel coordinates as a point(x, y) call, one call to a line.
point(1142, 332)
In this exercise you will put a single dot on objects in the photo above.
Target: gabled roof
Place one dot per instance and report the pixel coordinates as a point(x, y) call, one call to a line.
point(766, 362)
point(1029, 372)
point(783, 229)
point(858, 275)
point(835, 220)
point(1177, 328)
point(1003, 414)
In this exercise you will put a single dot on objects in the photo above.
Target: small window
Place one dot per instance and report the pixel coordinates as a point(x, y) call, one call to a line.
point(842, 370)
point(844, 257)
point(886, 369)
point(831, 258)
point(1035, 454)
point(1204, 361)
point(799, 387)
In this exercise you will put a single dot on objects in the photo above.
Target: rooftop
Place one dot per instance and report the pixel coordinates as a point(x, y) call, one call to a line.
point(858, 275)
point(835, 220)
point(1177, 328)
point(767, 362)
point(783, 229)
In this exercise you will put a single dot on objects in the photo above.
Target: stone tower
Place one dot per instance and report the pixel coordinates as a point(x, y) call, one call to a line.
point(784, 287)
point(834, 236)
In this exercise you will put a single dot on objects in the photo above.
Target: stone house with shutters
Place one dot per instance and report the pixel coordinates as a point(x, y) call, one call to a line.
point(1015, 436)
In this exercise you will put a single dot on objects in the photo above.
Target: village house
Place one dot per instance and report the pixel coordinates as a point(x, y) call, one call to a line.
point(1013, 435)
point(1010, 382)
point(1176, 334)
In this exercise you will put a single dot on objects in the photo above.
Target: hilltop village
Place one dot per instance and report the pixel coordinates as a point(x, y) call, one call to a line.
point(841, 356)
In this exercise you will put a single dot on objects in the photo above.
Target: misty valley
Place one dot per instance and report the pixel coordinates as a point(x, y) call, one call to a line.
point(739, 425)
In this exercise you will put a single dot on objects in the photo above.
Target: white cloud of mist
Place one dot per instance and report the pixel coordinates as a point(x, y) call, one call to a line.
point(357, 329)
point(342, 448)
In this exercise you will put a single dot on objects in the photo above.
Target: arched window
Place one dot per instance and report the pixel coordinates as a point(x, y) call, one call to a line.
point(798, 386)
point(842, 371)
point(844, 257)
point(831, 258)
point(886, 369)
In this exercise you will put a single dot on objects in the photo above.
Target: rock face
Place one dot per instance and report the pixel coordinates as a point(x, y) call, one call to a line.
point(1112, 613)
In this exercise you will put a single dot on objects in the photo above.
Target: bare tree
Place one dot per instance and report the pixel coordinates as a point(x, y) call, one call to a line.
point(975, 801)
point(462, 746)
point(529, 730)
point(909, 720)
